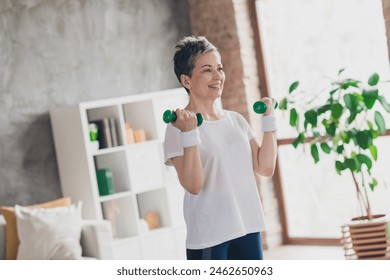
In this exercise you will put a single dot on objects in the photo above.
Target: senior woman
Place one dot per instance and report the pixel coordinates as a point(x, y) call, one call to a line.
point(217, 161)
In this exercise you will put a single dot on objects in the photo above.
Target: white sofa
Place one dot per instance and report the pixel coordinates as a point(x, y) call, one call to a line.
point(96, 239)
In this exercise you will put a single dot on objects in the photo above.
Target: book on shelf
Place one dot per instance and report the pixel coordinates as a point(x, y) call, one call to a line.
point(105, 181)
point(107, 133)
point(114, 135)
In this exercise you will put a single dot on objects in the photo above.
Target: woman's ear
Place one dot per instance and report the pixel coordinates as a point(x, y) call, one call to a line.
point(185, 81)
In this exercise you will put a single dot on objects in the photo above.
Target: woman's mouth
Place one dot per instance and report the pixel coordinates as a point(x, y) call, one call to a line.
point(215, 86)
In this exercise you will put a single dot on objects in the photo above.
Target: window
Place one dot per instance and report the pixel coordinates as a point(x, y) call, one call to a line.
point(310, 41)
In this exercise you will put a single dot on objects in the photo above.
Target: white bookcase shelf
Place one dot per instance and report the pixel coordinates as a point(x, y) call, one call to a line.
point(142, 183)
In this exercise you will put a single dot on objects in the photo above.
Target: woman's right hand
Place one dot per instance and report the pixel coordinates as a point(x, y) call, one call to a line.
point(186, 120)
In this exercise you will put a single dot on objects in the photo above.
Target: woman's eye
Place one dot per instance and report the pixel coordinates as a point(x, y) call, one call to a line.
point(220, 69)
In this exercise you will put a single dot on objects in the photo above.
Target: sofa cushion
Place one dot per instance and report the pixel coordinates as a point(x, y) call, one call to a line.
point(12, 240)
point(49, 234)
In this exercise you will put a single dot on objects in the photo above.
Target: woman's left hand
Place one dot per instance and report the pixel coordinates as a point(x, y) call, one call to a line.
point(270, 102)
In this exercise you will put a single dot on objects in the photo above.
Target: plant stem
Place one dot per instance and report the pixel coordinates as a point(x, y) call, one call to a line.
point(369, 214)
point(364, 203)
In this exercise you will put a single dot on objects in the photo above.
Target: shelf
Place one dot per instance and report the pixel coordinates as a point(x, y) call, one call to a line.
point(140, 116)
point(127, 249)
point(121, 241)
point(122, 214)
point(162, 241)
point(142, 144)
point(141, 182)
point(157, 231)
point(145, 168)
point(155, 201)
point(116, 162)
point(115, 196)
point(108, 119)
point(108, 150)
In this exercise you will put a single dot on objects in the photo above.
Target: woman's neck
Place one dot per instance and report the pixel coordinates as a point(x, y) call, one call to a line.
point(209, 110)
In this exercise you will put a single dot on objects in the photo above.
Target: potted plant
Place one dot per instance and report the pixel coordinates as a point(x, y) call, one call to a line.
point(345, 124)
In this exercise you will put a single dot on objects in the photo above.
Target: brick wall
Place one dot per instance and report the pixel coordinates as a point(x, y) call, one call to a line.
point(227, 25)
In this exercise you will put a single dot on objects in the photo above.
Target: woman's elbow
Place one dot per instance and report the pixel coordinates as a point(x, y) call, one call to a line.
point(193, 188)
point(266, 172)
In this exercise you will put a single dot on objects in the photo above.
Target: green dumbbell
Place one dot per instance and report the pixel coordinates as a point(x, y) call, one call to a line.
point(170, 116)
point(260, 107)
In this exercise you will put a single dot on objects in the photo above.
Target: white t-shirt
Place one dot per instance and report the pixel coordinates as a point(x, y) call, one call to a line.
point(228, 205)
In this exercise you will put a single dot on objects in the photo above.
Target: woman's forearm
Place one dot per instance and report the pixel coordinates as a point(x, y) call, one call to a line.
point(267, 153)
point(189, 170)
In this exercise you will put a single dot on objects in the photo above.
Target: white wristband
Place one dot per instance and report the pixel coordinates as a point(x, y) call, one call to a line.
point(190, 138)
point(268, 124)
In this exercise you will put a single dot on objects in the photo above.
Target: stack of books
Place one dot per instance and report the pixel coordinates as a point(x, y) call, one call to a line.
point(107, 133)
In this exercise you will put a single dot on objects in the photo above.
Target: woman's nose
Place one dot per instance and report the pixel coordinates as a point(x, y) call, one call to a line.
point(218, 75)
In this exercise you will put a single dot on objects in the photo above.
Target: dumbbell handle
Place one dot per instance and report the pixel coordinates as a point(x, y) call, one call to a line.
point(170, 116)
point(260, 107)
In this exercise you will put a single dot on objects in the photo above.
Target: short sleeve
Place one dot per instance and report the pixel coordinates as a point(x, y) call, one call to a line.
point(172, 147)
point(245, 125)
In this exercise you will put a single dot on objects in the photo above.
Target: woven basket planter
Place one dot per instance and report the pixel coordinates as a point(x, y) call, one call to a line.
point(366, 240)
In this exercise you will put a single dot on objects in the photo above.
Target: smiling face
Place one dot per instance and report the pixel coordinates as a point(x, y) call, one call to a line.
point(207, 77)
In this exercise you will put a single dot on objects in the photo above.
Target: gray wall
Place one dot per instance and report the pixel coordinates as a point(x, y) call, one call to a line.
point(61, 52)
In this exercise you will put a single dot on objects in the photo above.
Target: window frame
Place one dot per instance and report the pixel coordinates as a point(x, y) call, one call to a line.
point(277, 178)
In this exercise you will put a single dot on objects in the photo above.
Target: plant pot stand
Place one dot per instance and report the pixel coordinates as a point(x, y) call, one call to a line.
point(366, 240)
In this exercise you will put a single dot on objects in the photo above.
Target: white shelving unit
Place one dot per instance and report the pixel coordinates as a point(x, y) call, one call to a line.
point(141, 180)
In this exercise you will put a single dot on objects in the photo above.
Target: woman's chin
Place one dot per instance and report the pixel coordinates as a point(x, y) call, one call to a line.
point(216, 93)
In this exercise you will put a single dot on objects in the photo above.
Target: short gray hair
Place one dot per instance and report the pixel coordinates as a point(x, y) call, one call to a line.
point(187, 52)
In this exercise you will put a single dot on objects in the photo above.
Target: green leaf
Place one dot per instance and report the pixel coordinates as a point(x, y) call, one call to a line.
point(325, 147)
point(341, 71)
point(333, 91)
point(351, 102)
point(369, 124)
point(305, 124)
point(374, 152)
point(364, 139)
point(323, 109)
point(349, 83)
point(346, 137)
point(336, 110)
point(340, 149)
point(339, 166)
point(374, 133)
point(311, 117)
point(293, 86)
point(380, 122)
point(314, 153)
point(293, 118)
point(351, 164)
point(373, 79)
point(331, 129)
point(363, 159)
point(352, 117)
point(373, 184)
point(316, 134)
point(283, 104)
point(369, 97)
point(384, 103)
point(299, 140)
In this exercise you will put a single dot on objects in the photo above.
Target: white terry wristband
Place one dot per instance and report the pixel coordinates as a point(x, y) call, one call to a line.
point(268, 124)
point(190, 138)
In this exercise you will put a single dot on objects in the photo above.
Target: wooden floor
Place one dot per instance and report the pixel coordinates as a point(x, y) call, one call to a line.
point(295, 252)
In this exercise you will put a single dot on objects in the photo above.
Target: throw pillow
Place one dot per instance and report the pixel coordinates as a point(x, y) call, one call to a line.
point(49, 234)
point(11, 234)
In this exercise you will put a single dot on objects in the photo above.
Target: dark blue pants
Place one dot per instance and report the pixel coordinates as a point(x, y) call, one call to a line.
point(248, 247)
